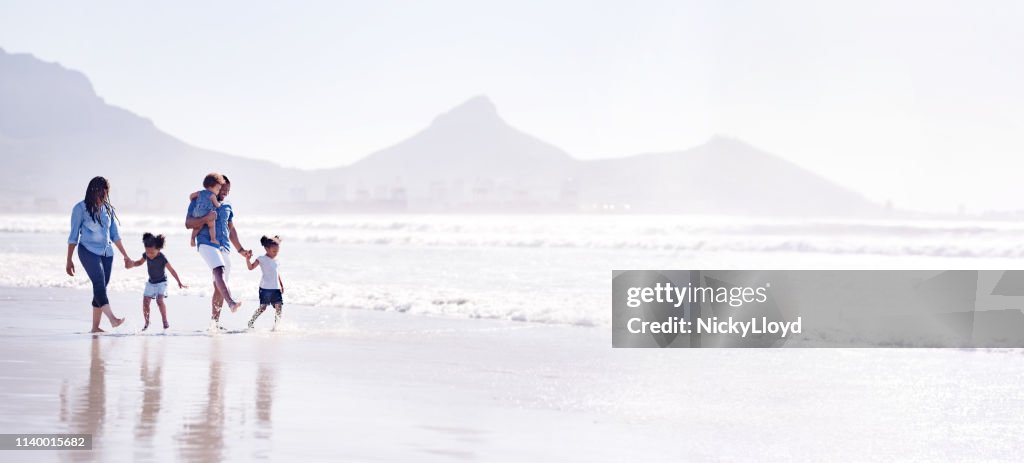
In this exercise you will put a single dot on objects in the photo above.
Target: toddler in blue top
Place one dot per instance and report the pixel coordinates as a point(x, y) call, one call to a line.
point(206, 202)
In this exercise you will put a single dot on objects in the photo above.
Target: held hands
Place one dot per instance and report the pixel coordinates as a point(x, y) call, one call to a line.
point(128, 263)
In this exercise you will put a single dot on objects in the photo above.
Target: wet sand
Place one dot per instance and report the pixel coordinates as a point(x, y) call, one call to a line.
point(367, 386)
point(361, 385)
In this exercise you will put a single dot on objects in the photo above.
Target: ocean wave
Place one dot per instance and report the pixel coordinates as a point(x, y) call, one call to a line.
point(1009, 247)
point(584, 309)
point(640, 225)
point(937, 239)
point(487, 250)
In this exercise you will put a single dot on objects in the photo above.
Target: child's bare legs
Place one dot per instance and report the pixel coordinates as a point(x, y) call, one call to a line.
point(259, 311)
point(212, 225)
point(163, 311)
point(145, 311)
point(256, 314)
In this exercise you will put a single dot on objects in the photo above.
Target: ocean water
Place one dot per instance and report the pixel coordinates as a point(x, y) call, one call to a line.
point(438, 388)
point(530, 268)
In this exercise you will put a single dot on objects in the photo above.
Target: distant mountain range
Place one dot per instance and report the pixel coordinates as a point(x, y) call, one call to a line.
point(56, 133)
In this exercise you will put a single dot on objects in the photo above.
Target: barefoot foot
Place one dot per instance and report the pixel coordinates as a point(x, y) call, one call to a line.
point(97, 330)
point(234, 306)
point(117, 322)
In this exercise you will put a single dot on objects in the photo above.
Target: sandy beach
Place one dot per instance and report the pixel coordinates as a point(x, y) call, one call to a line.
point(365, 385)
point(483, 219)
point(371, 386)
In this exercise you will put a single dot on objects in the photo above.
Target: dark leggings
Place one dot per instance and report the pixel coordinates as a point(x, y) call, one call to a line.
point(98, 268)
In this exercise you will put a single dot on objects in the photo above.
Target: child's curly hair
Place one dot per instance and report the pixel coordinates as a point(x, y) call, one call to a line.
point(212, 179)
point(152, 241)
point(268, 241)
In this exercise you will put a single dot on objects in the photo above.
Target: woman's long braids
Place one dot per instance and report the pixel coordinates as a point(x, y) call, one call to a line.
point(99, 187)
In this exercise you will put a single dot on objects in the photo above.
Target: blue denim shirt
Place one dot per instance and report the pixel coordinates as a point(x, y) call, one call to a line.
point(224, 215)
point(95, 236)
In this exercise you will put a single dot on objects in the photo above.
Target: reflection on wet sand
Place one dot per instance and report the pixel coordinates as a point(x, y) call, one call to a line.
point(150, 413)
point(264, 394)
point(202, 438)
point(145, 426)
point(86, 414)
point(264, 407)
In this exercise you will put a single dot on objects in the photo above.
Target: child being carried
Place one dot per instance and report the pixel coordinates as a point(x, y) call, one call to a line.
point(206, 202)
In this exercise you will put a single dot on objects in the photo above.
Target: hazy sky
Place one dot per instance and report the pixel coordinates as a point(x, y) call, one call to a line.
point(918, 102)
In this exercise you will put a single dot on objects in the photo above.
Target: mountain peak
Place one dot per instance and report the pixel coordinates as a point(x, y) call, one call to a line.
point(719, 140)
point(476, 110)
point(479, 104)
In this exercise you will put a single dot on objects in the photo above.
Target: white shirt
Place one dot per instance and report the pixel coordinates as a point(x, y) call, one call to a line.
point(269, 267)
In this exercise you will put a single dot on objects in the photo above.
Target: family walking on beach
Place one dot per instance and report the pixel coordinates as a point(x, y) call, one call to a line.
point(94, 230)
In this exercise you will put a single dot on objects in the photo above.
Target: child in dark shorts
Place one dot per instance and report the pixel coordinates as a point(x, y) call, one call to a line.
point(271, 286)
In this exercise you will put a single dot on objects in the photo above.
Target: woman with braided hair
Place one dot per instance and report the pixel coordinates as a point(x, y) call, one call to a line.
point(94, 226)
